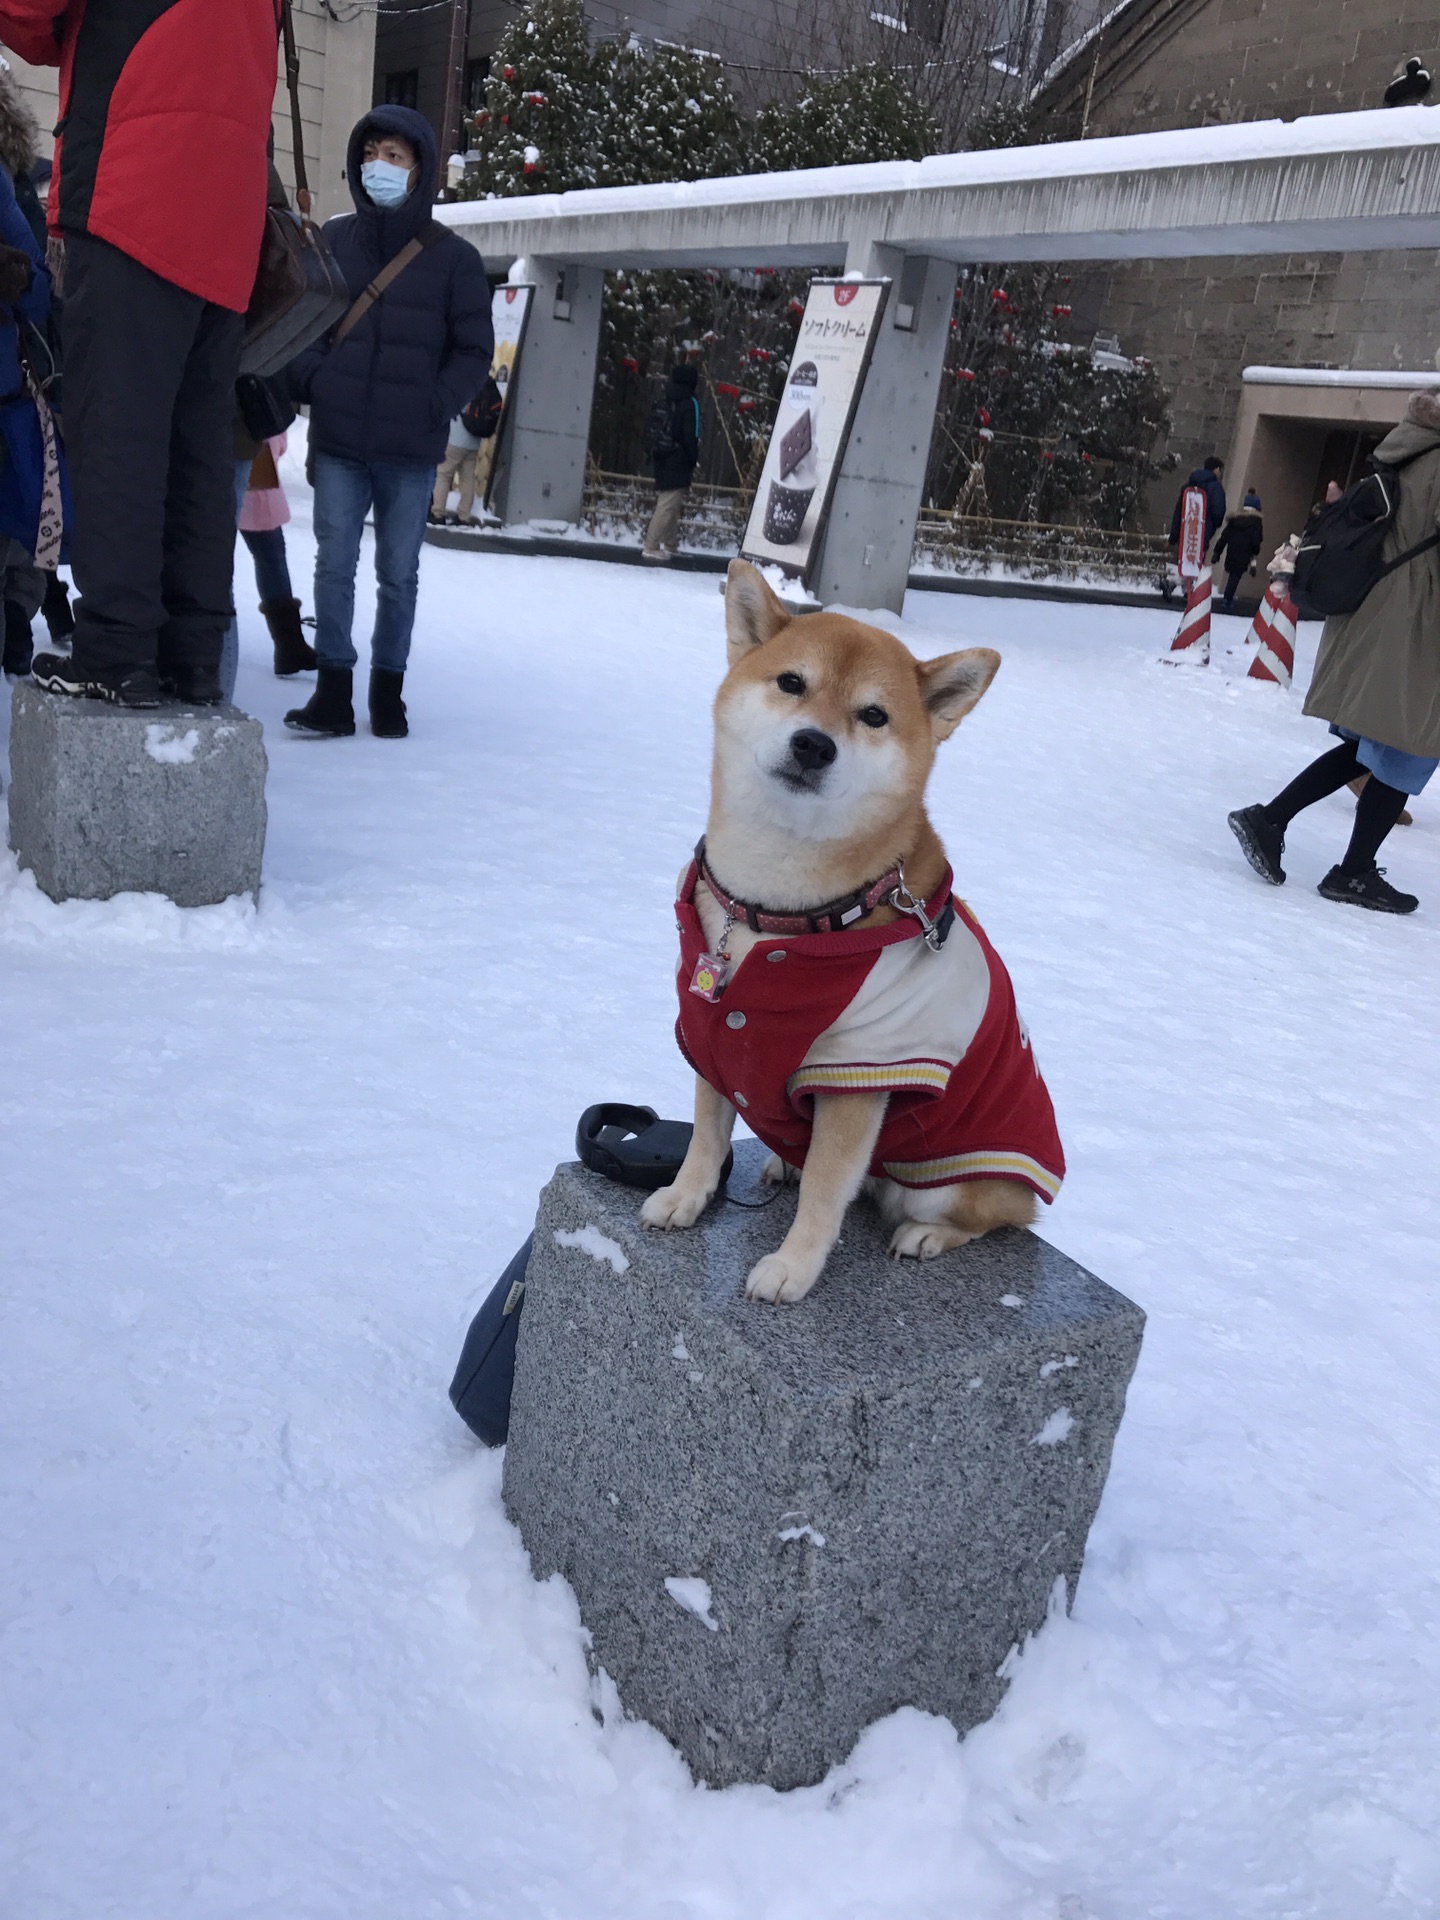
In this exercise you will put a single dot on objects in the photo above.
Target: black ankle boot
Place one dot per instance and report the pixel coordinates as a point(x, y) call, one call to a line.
point(293, 652)
point(18, 645)
point(387, 709)
point(329, 710)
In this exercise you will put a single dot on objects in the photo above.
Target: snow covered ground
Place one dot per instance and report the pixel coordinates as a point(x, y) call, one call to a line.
point(270, 1650)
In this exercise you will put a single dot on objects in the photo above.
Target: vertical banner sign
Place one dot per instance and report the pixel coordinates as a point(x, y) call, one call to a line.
point(509, 310)
point(1192, 533)
point(807, 442)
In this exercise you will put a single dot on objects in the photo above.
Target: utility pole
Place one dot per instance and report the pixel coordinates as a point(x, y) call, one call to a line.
point(452, 133)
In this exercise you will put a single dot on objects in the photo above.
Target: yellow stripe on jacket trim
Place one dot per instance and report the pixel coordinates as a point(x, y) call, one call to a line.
point(930, 1076)
point(996, 1165)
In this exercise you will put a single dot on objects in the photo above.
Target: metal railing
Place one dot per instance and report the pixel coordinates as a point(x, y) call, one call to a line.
point(618, 505)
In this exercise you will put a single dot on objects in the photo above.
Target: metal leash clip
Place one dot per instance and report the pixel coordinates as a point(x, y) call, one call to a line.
point(904, 901)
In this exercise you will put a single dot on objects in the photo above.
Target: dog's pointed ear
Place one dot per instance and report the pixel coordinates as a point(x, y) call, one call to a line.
point(753, 614)
point(951, 685)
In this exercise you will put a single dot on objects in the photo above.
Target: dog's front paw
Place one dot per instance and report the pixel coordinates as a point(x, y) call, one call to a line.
point(673, 1206)
point(924, 1239)
point(779, 1280)
point(779, 1173)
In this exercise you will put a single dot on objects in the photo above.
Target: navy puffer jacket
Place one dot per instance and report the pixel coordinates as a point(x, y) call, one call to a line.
point(390, 391)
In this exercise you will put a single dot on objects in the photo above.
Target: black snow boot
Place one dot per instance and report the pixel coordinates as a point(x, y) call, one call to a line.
point(193, 683)
point(1369, 889)
point(1262, 841)
point(18, 647)
point(293, 652)
point(329, 712)
point(387, 709)
point(59, 616)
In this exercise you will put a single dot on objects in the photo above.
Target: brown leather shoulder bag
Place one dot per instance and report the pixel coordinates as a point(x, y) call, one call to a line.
point(300, 291)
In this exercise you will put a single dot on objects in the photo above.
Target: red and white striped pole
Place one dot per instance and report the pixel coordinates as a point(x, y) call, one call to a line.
point(1273, 634)
point(1192, 640)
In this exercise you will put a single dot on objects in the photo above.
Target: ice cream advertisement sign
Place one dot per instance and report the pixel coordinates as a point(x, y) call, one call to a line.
point(812, 425)
point(509, 310)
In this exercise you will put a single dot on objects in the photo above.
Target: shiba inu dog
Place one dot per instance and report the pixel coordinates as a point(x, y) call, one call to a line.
point(831, 987)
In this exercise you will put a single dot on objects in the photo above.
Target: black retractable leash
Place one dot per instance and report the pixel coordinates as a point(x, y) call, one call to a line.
point(630, 1145)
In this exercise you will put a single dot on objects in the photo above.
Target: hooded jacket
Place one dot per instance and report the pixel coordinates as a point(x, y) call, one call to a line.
point(1242, 537)
point(674, 469)
point(390, 390)
point(1378, 670)
point(164, 118)
point(1205, 478)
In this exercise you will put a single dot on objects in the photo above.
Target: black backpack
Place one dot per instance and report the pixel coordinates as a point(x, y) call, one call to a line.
point(1339, 560)
point(482, 416)
point(660, 440)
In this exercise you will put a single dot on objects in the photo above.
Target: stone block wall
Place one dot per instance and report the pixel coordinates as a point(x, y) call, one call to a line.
point(1203, 321)
point(1189, 63)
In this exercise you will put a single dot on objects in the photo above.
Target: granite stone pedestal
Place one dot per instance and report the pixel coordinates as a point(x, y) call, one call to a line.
point(782, 1523)
point(104, 800)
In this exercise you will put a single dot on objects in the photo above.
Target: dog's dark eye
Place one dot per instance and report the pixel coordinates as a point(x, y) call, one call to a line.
point(873, 716)
point(790, 683)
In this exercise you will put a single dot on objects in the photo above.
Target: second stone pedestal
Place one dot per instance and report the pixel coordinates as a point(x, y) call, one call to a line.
point(104, 800)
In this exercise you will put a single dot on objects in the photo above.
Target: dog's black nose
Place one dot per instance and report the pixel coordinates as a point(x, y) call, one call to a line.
point(811, 750)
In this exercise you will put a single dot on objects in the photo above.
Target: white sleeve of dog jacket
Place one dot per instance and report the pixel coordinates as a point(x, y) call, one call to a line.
point(911, 1022)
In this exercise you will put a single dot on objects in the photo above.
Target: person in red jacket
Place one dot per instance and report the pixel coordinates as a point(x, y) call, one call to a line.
point(159, 196)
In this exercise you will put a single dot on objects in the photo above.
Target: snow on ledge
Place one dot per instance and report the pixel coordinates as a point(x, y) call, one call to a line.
point(599, 1246)
point(693, 1594)
point(1338, 377)
point(1377, 129)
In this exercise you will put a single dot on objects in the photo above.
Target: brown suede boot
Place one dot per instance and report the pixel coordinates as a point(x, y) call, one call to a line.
point(293, 652)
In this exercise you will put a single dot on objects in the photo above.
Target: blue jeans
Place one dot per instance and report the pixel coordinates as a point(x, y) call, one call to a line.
point(345, 490)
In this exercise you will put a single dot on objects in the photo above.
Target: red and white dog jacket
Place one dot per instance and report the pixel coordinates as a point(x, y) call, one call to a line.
point(876, 1010)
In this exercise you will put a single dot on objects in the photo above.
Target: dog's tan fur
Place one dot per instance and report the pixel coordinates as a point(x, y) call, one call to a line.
point(795, 851)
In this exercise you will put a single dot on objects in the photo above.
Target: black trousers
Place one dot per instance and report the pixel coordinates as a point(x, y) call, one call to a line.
point(149, 410)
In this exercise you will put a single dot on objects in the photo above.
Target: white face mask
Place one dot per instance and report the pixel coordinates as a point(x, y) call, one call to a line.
point(386, 184)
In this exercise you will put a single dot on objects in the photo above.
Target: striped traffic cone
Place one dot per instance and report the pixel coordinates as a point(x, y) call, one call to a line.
point(1191, 645)
point(1272, 634)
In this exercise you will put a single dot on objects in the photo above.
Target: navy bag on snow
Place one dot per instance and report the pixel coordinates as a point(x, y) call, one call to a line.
point(480, 1391)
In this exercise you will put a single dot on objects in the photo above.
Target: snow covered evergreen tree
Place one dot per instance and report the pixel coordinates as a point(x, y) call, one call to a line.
point(865, 114)
point(673, 116)
point(540, 128)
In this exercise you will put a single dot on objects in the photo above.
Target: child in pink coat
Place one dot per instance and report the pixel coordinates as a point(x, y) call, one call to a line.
point(264, 511)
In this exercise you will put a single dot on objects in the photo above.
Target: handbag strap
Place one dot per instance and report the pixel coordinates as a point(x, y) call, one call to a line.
point(387, 275)
point(297, 134)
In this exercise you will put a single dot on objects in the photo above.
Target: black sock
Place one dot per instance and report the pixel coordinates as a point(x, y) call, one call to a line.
point(1323, 776)
point(1380, 807)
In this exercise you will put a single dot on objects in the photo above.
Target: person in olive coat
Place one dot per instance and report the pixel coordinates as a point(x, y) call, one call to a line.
point(1377, 681)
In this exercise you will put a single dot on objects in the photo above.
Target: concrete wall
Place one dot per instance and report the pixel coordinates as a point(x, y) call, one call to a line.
point(1184, 63)
point(1190, 63)
point(337, 59)
point(1281, 436)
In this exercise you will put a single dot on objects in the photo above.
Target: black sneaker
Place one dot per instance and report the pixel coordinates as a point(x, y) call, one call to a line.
point(122, 686)
point(1369, 889)
point(1261, 841)
point(191, 685)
